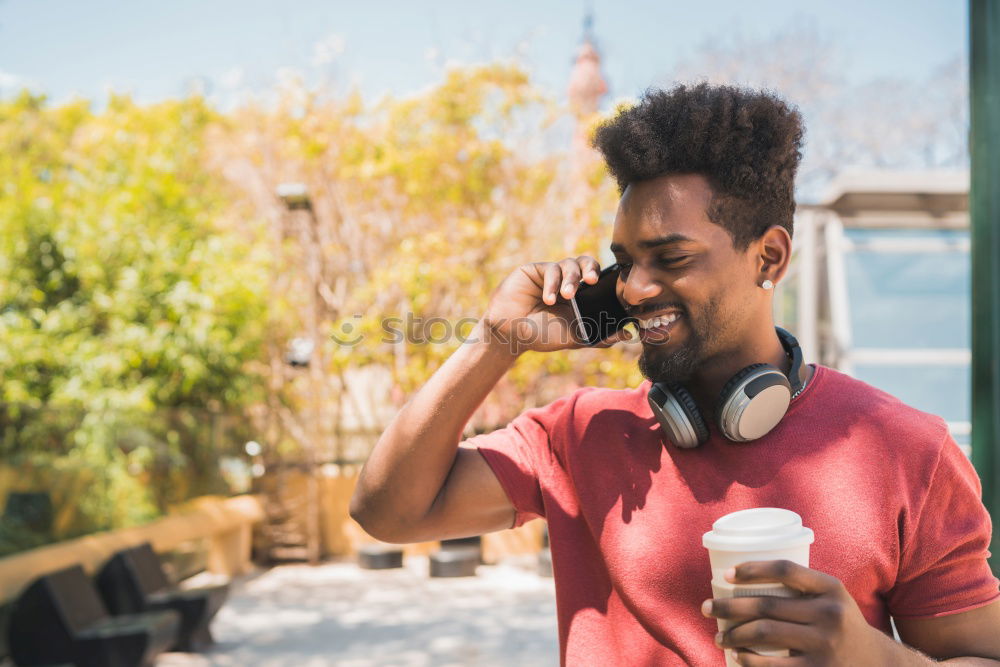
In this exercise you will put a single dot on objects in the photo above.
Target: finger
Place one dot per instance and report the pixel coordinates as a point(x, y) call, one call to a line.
point(590, 269)
point(771, 633)
point(550, 282)
point(620, 336)
point(796, 610)
point(750, 659)
point(791, 574)
point(570, 277)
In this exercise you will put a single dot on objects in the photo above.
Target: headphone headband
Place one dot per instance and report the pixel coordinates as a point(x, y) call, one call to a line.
point(794, 353)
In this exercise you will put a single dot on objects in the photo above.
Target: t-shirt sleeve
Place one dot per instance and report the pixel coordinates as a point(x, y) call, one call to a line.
point(943, 568)
point(520, 455)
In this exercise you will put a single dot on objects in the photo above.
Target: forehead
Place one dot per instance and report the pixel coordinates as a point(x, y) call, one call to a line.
point(674, 204)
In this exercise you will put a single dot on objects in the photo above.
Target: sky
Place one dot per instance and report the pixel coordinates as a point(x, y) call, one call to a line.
point(156, 50)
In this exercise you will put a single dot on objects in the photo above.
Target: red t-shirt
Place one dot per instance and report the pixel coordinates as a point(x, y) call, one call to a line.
point(894, 503)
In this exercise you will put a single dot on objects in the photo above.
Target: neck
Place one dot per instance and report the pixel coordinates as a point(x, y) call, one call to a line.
point(762, 346)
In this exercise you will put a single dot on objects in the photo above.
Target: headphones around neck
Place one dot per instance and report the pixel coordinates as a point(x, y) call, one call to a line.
point(750, 405)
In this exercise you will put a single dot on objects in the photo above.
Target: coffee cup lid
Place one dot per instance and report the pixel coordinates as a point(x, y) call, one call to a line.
point(760, 528)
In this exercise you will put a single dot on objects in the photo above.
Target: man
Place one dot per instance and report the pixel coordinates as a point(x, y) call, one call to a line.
point(703, 230)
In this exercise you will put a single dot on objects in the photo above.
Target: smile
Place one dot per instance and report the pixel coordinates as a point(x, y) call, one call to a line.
point(657, 329)
point(658, 321)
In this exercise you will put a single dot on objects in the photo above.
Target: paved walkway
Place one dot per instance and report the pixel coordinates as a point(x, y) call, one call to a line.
point(339, 614)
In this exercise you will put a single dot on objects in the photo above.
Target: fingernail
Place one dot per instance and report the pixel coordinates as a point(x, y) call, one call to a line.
point(718, 639)
point(730, 574)
point(706, 608)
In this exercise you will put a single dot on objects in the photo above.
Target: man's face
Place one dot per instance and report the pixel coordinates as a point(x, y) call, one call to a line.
point(677, 261)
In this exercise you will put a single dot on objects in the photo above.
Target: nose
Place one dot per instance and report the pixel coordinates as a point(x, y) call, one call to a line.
point(639, 286)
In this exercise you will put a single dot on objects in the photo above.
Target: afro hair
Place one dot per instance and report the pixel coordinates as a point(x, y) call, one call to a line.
point(747, 144)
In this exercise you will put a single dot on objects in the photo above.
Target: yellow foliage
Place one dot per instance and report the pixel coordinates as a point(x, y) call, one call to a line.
point(421, 206)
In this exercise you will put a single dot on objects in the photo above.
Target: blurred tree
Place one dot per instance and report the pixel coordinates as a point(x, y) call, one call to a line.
point(422, 206)
point(150, 277)
point(123, 300)
point(884, 122)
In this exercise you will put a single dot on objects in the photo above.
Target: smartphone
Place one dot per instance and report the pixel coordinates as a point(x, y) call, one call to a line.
point(598, 311)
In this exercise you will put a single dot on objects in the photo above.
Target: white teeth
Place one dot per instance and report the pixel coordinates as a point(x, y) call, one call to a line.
point(658, 321)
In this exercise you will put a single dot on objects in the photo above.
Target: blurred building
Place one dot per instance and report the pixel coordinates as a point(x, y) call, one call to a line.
point(879, 286)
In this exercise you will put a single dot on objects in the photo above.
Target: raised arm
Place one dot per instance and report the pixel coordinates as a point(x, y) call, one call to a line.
point(418, 484)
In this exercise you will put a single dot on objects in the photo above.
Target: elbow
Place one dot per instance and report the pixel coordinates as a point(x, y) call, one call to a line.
point(365, 519)
point(360, 511)
point(373, 523)
point(381, 531)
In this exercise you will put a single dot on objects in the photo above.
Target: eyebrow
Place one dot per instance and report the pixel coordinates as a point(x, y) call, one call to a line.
point(669, 239)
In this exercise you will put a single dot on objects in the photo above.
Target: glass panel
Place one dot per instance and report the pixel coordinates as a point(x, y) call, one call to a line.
point(902, 300)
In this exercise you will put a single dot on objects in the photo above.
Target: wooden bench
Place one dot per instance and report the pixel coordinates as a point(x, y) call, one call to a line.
point(60, 618)
point(133, 580)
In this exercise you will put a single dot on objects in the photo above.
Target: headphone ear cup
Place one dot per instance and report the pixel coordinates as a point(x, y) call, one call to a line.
point(753, 402)
point(678, 414)
point(727, 389)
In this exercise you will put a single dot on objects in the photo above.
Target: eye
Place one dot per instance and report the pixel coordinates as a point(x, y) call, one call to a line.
point(669, 261)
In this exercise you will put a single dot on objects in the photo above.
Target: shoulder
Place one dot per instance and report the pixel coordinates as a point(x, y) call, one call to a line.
point(594, 409)
point(864, 411)
point(588, 402)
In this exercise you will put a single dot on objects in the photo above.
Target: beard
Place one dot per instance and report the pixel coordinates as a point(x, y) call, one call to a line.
point(679, 363)
point(658, 365)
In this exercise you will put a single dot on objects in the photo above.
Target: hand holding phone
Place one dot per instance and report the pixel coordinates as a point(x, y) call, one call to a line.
point(533, 308)
point(598, 311)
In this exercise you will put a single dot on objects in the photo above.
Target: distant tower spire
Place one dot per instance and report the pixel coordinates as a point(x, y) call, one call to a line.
point(588, 25)
point(586, 88)
point(586, 83)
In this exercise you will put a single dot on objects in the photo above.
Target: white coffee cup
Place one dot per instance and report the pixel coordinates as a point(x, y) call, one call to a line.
point(761, 533)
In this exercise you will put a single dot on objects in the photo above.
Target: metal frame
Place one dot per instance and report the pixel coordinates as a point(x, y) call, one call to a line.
point(840, 309)
point(984, 207)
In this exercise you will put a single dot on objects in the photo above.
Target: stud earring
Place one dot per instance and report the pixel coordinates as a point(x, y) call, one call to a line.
point(767, 284)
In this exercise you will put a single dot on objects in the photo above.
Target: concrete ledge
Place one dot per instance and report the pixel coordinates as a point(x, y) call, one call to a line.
point(225, 522)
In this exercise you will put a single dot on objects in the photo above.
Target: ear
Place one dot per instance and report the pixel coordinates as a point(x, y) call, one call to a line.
point(774, 253)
